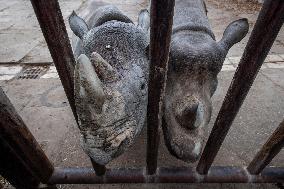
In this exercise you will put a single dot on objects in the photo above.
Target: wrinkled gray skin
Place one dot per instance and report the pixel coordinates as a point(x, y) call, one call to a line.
point(195, 60)
point(111, 80)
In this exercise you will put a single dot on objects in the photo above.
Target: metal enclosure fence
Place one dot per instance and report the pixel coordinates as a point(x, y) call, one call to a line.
point(24, 164)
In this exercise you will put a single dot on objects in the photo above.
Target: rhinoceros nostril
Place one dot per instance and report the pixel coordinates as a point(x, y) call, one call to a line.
point(187, 117)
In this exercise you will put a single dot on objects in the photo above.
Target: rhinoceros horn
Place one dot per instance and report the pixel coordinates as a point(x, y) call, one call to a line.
point(90, 85)
point(104, 70)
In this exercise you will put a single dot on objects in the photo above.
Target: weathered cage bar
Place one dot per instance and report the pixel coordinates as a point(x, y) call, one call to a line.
point(162, 12)
point(267, 26)
point(17, 173)
point(16, 138)
point(166, 175)
point(25, 164)
point(53, 28)
point(269, 150)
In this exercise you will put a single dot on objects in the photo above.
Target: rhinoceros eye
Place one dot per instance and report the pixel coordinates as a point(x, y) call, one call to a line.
point(142, 87)
point(214, 84)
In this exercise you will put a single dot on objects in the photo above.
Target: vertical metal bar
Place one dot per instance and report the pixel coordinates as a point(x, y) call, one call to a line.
point(161, 28)
point(99, 169)
point(267, 26)
point(13, 169)
point(16, 134)
point(269, 150)
point(53, 28)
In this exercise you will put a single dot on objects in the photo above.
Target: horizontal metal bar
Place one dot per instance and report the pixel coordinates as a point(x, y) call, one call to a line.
point(269, 150)
point(165, 175)
point(162, 12)
point(267, 26)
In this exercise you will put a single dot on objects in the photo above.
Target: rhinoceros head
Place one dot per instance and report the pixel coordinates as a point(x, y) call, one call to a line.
point(195, 60)
point(111, 79)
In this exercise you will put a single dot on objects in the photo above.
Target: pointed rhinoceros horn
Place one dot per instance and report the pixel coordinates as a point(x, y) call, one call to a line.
point(104, 70)
point(87, 83)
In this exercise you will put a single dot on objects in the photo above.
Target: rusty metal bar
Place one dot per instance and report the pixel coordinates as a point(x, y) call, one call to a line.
point(53, 28)
point(267, 26)
point(99, 169)
point(161, 28)
point(16, 134)
point(13, 169)
point(269, 150)
point(165, 175)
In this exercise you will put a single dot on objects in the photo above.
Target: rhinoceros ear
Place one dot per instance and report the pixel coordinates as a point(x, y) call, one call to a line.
point(144, 19)
point(87, 84)
point(78, 25)
point(234, 33)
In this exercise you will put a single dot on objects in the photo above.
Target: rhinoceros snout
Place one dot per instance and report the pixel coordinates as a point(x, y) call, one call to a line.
point(187, 115)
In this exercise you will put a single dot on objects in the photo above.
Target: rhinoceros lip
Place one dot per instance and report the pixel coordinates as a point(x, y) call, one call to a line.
point(108, 147)
point(185, 150)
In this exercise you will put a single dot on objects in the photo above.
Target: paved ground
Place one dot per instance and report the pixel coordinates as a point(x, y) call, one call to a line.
point(22, 41)
point(45, 110)
point(42, 103)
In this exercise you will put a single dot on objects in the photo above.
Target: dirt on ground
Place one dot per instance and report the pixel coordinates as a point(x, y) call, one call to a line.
point(239, 6)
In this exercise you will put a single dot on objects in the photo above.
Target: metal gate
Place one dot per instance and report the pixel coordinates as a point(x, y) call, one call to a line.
point(24, 164)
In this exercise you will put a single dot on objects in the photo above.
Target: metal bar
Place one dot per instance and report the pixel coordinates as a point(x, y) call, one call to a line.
point(269, 150)
point(13, 169)
point(267, 26)
point(14, 131)
point(47, 187)
point(161, 28)
point(165, 175)
point(53, 28)
point(99, 169)
point(44, 186)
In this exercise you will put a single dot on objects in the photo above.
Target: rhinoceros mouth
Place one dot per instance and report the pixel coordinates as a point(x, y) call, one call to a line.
point(183, 143)
point(107, 143)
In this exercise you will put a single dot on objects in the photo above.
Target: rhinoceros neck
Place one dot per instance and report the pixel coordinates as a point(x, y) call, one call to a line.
point(120, 44)
point(191, 15)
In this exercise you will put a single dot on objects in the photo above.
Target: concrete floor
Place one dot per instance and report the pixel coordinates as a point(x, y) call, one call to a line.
point(44, 107)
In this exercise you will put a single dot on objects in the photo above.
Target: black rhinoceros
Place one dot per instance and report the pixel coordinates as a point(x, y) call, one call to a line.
point(195, 60)
point(111, 79)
